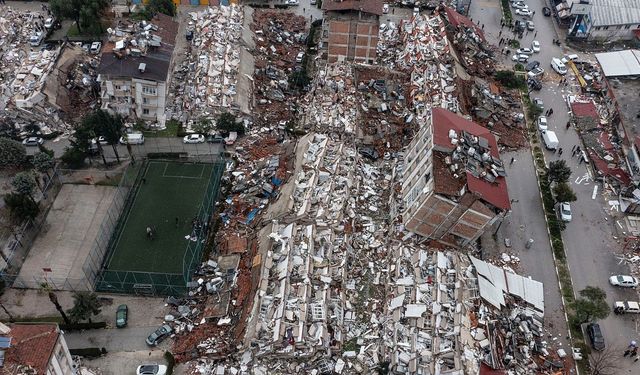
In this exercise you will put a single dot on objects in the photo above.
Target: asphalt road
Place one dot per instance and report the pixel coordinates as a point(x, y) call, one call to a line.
point(114, 340)
point(588, 239)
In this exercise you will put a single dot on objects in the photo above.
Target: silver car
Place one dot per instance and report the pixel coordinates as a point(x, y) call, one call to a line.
point(624, 281)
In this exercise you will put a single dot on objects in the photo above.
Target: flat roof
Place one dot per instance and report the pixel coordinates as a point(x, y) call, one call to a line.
point(615, 12)
point(620, 63)
point(367, 6)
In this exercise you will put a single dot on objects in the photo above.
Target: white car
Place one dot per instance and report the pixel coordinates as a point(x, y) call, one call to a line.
point(193, 138)
point(36, 39)
point(151, 369)
point(33, 141)
point(524, 12)
point(95, 47)
point(293, 2)
point(385, 8)
point(49, 23)
point(542, 123)
point(520, 58)
point(535, 46)
point(536, 72)
point(520, 5)
point(623, 281)
point(565, 211)
point(299, 57)
point(531, 26)
point(524, 51)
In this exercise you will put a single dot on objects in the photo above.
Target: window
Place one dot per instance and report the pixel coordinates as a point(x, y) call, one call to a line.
point(145, 101)
point(117, 87)
point(145, 111)
point(627, 27)
point(619, 27)
point(605, 28)
point(148, 90)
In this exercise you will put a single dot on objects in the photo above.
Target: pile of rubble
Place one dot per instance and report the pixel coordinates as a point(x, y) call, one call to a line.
point(467, 38)
point(279, 37)
point(206, 81)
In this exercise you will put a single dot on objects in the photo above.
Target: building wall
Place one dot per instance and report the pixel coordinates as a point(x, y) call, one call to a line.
point(615, 32)
point(419, 168)
point(352, 41)
point(135, 97)
point(60, 362)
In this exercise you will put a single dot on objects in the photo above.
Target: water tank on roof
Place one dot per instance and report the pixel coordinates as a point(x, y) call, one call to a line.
point(452, 134)
point(471, 151)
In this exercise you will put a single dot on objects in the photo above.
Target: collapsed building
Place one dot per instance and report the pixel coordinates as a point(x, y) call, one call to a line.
point(134, 68)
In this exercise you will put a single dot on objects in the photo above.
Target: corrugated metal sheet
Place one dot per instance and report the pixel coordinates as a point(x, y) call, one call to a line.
point(615, 12)
point(619, 63)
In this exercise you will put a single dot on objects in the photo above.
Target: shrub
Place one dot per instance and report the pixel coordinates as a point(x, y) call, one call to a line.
point(12, 154)
point(510, 80)
point(171, 362)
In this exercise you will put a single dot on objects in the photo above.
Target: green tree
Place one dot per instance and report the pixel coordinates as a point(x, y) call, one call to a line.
point(85, 305)
point(85, 13)
point(54, 299)
point(21, 207)
point(43, 162)
point(564, 193)
point(167, 7)
point(227, 123)
point(510, 80)
point(85, 140)
point(24, 183)
point(105, 124)
point(203, 126)
point(591, 305)
point(47, 151)
point(559, 171)
point(12, 154)
point(73, 157)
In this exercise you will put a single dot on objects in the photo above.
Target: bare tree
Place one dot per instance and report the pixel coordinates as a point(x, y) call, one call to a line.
point(605, 362)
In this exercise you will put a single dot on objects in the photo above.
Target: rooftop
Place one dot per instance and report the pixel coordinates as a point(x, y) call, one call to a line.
point(154, 43)
point(476, 149)
point(367, 6)
point(456, 19)
point(585, 109)
point(620, 63)
point(615, 12)
point(31, 345)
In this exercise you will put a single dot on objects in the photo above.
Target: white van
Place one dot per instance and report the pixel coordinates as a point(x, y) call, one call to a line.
point(550, 140)
point(627, 306)
point(132, 139)
point(558, 66)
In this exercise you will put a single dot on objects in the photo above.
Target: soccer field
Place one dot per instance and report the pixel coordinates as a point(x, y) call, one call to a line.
point(168, 191)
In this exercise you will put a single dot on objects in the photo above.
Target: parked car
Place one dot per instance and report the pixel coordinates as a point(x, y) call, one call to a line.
point(532, 65)
point(538, 102)
point(299, 57)
point(519, 5)
point(531, 26)
point(49, 23)
point(546, 11)
point(537, 72)
point(623, 281)
point(193, 138)
point(159, 335)
point(520, 58)
point(122, 316)
point(36, 39)
point(595, 336)
point(132, 139)
point(564, 210)
point(151, 369)
point(534, 84)
point(216, 138)
point(293, 2)
point(524, 12)
point(518, 26)
point(95, 48)
point(524, 51)
point(535, 46)
point(542, 123)
point(567, 58)
point(33, 141)
point(626, 307)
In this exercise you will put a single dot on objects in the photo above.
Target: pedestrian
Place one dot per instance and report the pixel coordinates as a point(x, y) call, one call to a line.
point(577, 149)
point(500, 33)
point(560, 151)
point(550, 111)
point(483, 26)
point(535, 35)
point(304, 10)
point(512, 160)
point(580, 158)
point(177, 222)
point(149, 231)
point(627, 352)
point(534, 12)
point(573, 149)
point(546, 113)
point(393, 10)
point(144, 180)
point(634, 352)
point(633, 343)
point(573, 153)
point(568, 124)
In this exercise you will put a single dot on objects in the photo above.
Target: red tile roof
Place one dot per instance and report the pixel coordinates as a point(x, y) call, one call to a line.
point(367, 6)
point(494, 193)
point(456, 19)
point(32, 345)
point(585, 110)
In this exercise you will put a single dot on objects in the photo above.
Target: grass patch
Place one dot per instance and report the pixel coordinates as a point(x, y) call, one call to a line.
point(171, 130)
point(506, 12)
point(93, 31)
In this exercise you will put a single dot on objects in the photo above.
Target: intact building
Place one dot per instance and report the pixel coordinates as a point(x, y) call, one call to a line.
point(454, 184)
point(350, 29)
point(34, 349)
point(604, 20)
point(134, 70)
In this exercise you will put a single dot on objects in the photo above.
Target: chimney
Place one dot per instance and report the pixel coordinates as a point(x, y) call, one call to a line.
point(142, 67)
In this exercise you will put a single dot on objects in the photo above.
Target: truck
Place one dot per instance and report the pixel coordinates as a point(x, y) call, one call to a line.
point(550, 140)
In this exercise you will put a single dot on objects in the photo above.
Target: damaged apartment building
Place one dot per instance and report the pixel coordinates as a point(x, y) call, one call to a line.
point(350, 29)
point(454, 183)
point(134, 69)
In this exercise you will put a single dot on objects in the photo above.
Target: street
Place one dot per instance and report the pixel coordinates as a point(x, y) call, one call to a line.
point(588, 239)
